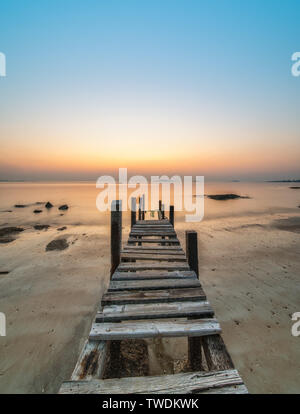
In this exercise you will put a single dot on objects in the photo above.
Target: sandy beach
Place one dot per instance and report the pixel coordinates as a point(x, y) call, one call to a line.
point(249, 267)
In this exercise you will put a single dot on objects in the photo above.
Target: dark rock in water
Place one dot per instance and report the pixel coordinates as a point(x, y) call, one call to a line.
point(6, 234)
point(37, 211)
point(225, 196)
point(295, 188)
point(10, 230)
point(41, 226)
point(20, 206)
point(63, 207)
point(48, 205)
point(62, 228)
point(59, 244)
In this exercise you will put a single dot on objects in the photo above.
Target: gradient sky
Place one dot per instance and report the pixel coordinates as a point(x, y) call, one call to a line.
point(168, 86)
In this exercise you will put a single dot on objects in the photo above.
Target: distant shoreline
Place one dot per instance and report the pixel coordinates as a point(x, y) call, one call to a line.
point(282, 181)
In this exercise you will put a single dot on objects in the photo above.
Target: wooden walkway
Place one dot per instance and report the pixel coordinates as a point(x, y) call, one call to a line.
point(155, 292)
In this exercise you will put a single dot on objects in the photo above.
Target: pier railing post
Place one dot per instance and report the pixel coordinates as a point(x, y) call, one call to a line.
point(115, 234)
point(140, 209)
point(133, 211)
point(191, 241)
point(194, 344)
point(143, 207)
point(171, 215)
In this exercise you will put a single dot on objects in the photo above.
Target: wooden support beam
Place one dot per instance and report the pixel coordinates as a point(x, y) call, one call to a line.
point(133, 211)
point(195, 352)
point(192, 250)
point(216, 354)
point(143, 207)
point(91, 362)
point(140, 209)
point(115, 234)
point(171, 217)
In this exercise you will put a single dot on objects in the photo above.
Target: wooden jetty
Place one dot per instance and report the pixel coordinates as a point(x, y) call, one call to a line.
point(154, 292)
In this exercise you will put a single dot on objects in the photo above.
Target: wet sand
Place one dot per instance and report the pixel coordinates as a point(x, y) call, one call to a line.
point(249, 268)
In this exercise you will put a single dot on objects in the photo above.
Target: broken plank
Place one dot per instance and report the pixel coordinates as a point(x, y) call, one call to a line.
point(183, 383)
point(153, 329)
point(91, 362)
point(153, 296)
point(153, 285)
point(184, 274)
point(114, 313)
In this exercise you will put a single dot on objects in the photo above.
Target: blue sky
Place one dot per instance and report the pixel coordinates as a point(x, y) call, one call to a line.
point(211, 78)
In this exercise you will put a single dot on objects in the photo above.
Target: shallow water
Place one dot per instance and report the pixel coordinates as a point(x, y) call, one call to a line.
point(81, 198)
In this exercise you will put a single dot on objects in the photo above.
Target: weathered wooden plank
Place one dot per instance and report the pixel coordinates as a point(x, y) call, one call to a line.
point(154, 252)
point(114, 313)
point(153, 285)
point(151, 233)
point(152, 296)
point(183, 383)
point(134, 267)
point(216, 354)
point(91, 362)
point(153, 256)
point(185, 274)
point(151, 222)
point(152, 329)
point(152, 228)
point(154, 248)
point(156, 240)
point(228, 389)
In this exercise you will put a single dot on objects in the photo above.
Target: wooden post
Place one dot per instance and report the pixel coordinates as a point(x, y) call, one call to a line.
point(192, 250)
point(140, 210)
point(133, 211)
point(115, 234)
point(195, 352)
point(159, 205)
point(162, 211)
point(143, 207)
point(194, 344)
point(171, 215)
